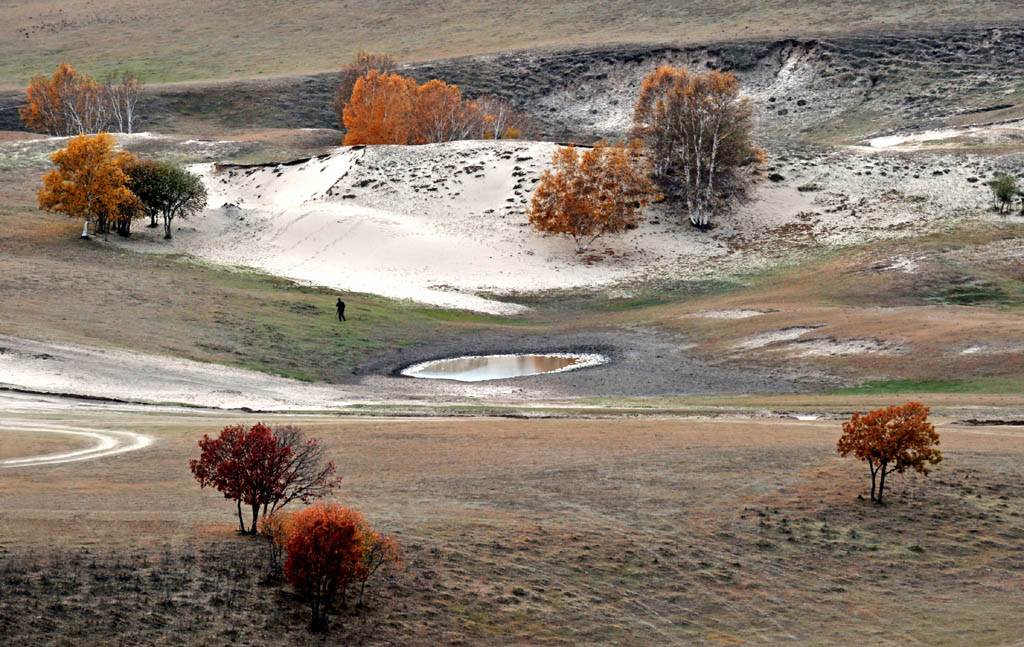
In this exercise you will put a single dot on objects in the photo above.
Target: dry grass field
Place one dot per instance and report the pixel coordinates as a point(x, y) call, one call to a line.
point(539, 532)
point(172, 41)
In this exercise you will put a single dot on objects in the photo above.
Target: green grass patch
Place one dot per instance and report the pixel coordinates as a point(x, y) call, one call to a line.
point(997, 384)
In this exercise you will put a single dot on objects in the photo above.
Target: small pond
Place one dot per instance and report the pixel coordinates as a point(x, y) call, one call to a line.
point(477, 368)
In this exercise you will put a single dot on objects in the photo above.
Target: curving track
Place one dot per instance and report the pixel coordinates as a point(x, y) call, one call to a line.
point(108, 443)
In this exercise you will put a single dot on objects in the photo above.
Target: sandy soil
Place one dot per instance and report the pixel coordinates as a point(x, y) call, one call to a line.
point(445, 224)
point(105, 373)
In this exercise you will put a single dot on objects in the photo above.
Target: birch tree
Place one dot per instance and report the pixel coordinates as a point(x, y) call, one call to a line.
point(697, 130)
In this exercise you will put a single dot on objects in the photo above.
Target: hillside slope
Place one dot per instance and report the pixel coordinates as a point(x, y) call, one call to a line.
point(169, 40)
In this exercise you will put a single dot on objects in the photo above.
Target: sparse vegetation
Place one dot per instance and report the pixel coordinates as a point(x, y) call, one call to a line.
point(1004, 190)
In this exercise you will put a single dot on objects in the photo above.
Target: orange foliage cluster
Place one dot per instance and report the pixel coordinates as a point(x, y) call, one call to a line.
point(359, 67)
point(587, 196)
point(89, 181)
point(387, 108)
point(72, 103)
point(893, 439)
point(329, 548)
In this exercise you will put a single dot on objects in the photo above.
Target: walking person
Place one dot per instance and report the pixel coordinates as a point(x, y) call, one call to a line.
point(341, 310)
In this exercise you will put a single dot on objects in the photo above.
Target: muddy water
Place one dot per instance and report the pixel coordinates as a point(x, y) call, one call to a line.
point(500, 367)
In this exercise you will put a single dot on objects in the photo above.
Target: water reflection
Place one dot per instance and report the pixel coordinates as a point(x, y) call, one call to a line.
point(499, 367)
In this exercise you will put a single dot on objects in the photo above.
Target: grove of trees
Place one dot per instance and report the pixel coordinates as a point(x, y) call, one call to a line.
point(263, 469)
point(93, 181)
point(587, 196)
point(89, 181)
point(697, 131)
point(893, 439)
point(73, 103)
point(388, 108)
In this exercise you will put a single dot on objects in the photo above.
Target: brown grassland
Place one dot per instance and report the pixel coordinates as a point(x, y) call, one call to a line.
point(542, 532)
point(164, 40)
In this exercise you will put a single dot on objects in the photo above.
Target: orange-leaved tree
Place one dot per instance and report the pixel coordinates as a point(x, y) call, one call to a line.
point(439, 114)
point(89, 182)
point(893, 439)
point(359, 67)
point(380, 110)
point(325, 550)
point(698, 131)
point(377, 550)
point(587, 196)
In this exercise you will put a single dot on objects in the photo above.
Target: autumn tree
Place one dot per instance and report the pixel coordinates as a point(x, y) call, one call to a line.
point(378, 551)
point(360, 66)
point(893, 439)
point(73, 103)
point(168, 190)
point(324, 555)
point(698, 131)
point(587, 196)
point(380, 110)
point(263, 471)
point(88, 181)
point(439, 114)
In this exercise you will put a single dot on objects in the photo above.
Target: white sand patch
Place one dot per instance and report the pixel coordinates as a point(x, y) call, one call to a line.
point(828, 346)
point(939, 137)
point(773, 336)
point(730, 313)
point(988, 349)
point(446, 224)
point(104, 373)
point(900, 264)
point(439, 224)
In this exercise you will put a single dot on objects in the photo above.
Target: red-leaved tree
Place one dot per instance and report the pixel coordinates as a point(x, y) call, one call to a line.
point(325, 553)
point(263, 469)
point(893, 439)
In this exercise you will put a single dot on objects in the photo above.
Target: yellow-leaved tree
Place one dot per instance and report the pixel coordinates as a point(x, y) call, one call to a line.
point(380, 110)
point(599, 192)
point(88, 181)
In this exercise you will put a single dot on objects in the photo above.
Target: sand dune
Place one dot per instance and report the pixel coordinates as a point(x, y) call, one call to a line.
point(446, 224)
